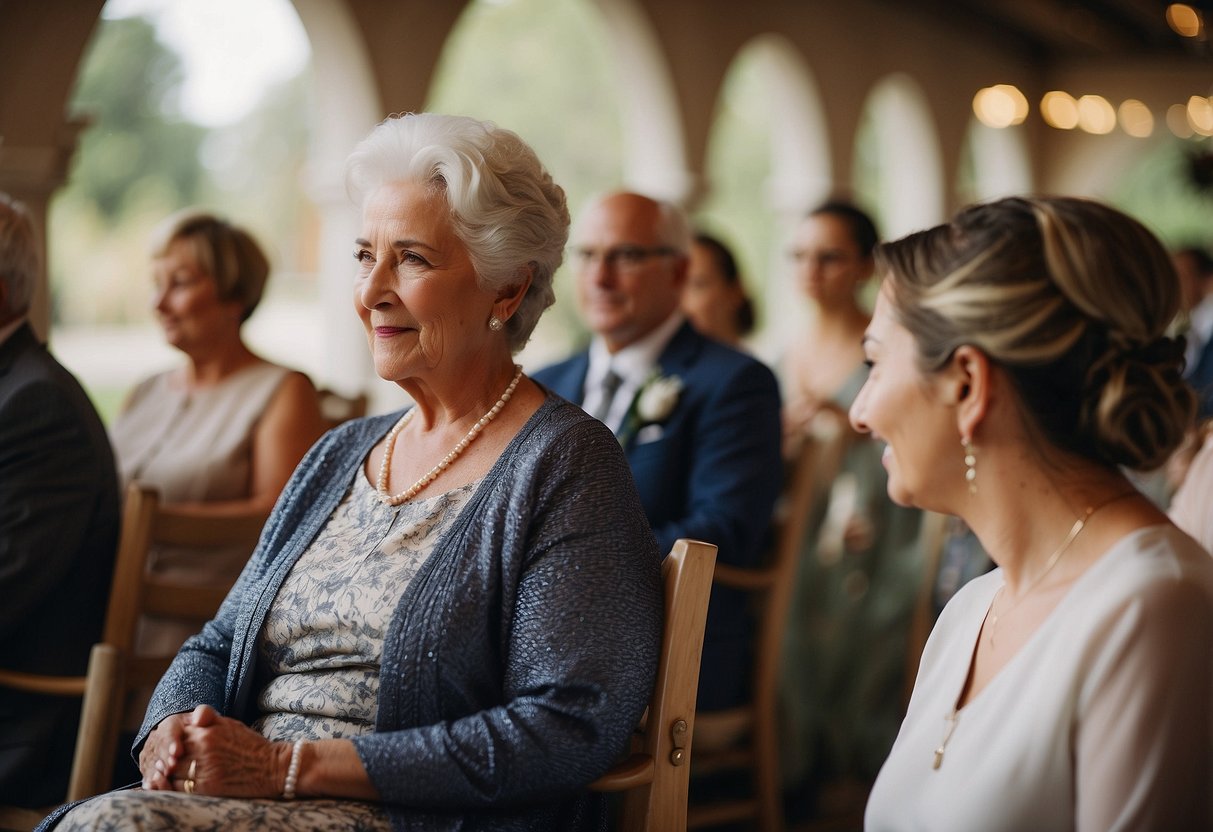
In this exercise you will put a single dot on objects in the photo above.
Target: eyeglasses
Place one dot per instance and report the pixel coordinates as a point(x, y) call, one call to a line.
point(620, 258)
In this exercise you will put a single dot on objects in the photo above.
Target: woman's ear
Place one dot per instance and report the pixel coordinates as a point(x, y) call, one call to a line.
point(967, 386)
point(509, 297)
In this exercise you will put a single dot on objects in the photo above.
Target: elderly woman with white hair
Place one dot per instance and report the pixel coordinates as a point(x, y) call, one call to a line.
point(453, 618)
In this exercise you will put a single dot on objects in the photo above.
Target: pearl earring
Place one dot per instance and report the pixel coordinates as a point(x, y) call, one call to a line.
point(970, 465)
point(495, 324)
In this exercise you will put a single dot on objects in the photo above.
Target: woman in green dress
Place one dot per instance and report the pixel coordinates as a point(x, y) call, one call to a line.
point(859, 572)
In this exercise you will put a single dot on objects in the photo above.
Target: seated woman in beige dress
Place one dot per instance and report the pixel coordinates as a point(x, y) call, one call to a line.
point(453, 618)
point(221, 434)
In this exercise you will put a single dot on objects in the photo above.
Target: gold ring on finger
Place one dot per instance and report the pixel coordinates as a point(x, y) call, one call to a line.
point(189, 786)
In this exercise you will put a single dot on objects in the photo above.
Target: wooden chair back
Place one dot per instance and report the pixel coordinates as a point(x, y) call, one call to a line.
point(147, 524)
point(114, 669)
point(654, 779)
point(747, 737)
point(137, 592)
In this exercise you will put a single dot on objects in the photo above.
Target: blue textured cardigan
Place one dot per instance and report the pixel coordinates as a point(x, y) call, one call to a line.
point(520, 656)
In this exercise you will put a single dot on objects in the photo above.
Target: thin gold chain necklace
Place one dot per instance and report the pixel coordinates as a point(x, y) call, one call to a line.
point(385, 468)
point(1078, 526)
point(951, 718)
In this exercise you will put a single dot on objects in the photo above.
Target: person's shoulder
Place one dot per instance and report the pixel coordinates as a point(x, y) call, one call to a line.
point(1155, 572)
point(558, 418)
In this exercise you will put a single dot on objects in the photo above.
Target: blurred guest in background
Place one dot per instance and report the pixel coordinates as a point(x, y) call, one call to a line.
point(831, 250)
point(1192, 506)
point(453, 618)
point(58, 531)
point(860, 568)
point(221, 434)
point(1019, 357)
point(699, 421)
point(1195, 269)
point(714, 298)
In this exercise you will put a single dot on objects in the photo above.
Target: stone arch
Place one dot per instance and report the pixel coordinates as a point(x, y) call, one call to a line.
point(910, 183)
point(798, 174)
point(998, 162)
point(655, 158)
point(346, 105)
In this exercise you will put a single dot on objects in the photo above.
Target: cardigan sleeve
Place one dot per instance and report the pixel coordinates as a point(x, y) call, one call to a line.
point(581, 619)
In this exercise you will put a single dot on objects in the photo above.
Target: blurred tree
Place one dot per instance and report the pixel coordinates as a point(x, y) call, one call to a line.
point(128, 88)
point(1161, 192)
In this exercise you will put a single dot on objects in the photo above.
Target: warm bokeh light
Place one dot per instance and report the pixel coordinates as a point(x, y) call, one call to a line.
point(1001, 105)
point(1135, 118)
point(1184, 19)
point(1095, 115)
point(1177, 121)
point(1059, 109)
point(1200, 115)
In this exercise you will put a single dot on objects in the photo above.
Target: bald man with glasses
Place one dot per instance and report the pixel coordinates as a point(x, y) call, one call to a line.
point(699, 421)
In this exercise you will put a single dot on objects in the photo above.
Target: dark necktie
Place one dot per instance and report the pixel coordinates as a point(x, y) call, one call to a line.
point(610, 386)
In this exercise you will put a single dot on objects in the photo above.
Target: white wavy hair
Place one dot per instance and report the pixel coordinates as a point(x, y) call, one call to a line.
point(504, 206)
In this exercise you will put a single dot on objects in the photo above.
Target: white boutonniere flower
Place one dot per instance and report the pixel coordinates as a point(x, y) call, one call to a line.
point(658, 397)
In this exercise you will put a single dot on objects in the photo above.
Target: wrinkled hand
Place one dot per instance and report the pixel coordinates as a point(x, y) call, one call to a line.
point(160, 753)
point(228, 757)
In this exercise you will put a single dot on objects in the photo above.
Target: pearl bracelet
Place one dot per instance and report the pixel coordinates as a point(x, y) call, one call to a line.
point(292, 771)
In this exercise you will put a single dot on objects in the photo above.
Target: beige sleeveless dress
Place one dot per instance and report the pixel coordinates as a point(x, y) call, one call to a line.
point(193, 446)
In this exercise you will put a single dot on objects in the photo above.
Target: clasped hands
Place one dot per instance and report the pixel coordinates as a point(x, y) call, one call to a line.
point(203, 752)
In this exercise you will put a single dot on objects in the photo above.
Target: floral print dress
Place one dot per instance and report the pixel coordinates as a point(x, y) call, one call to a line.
point(319, 653)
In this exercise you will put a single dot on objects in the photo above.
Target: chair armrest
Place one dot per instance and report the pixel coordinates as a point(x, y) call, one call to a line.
point(46, 684)
point(739, 578)
point(635, 770)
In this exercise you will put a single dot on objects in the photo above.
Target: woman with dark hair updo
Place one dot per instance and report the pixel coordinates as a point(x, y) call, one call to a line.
point(845, 647)
point(714, 297)
point(1018, 357)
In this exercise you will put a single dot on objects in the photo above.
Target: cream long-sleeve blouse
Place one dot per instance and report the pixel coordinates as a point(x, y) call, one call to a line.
point(1100, 722)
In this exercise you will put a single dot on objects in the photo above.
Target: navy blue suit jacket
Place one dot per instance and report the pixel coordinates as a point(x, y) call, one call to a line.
point(1200, 376)
point(710, 471)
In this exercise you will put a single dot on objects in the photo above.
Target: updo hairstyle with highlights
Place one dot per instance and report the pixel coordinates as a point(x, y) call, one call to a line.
point(1072, 300)
point(504, 206)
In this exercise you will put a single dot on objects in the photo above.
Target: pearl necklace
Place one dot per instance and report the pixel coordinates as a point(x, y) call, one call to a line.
point(385, 468)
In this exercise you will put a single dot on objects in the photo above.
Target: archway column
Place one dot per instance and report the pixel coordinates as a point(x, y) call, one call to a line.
point(32, 174)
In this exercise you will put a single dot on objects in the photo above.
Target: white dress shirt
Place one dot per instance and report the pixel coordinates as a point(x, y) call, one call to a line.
point(633, 364)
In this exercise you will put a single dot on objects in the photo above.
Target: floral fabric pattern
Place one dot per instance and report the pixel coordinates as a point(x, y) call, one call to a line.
point(140, 811)
point(321, 644)
point(320, 651)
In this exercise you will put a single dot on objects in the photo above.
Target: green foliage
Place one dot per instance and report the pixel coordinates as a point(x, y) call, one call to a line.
point(1159, 191)
point(128, 90)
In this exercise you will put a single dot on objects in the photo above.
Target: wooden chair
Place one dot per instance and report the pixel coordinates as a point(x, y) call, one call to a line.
point(139, 592)
point(655, 778)
point(746, 737)
point(98, 690)
point(114, 669)
point(336, 408)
